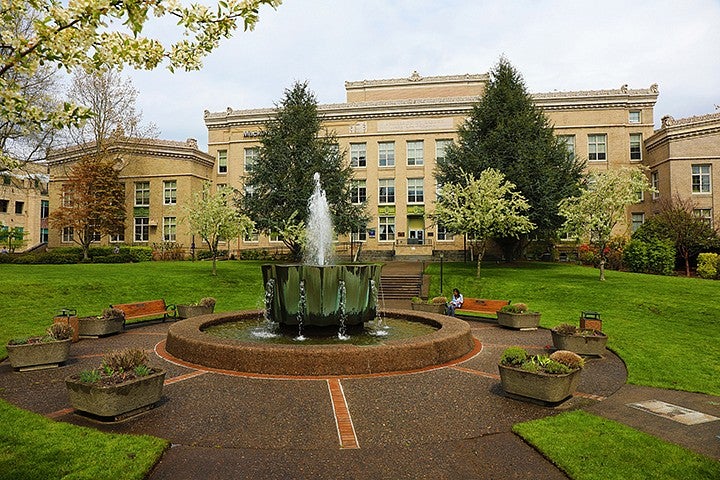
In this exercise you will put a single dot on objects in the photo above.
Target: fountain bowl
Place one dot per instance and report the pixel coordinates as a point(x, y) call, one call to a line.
point(186, 341)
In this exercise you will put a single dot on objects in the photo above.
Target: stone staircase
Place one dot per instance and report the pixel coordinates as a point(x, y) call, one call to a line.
point(400, 287)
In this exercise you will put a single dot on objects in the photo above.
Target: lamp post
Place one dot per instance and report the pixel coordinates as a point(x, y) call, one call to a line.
point(441, 273)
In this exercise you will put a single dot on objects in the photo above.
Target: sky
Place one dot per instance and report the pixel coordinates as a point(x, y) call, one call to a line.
point(558, 45)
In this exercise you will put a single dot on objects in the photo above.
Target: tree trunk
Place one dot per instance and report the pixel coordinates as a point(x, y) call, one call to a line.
point(602, 269)
point(480, 255)
point(214, 265)
point(687, 264)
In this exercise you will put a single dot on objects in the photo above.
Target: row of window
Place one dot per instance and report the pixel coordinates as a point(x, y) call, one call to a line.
point(700, 180)
point(386, 191)
point(414, 153)
point(142, 193)
point(598, 146)
point(251, 156)
point(141, 228)
point(638, 218)
point(5, 204)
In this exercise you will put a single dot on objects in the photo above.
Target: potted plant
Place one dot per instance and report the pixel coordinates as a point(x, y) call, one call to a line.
point(583, 341)
point(434, 305)
point(204, 307)
point(112, 320)
point(123, 384)
point(517, 315)
point(46, 351)
point(548, 380)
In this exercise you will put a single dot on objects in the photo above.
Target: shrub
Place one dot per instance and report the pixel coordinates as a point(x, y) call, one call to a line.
point(514, 308)
point(565, 329)
point(110, 313)
point(125, 360)
point(570, 359)
point(168, 251)
point(651, 256)
point(708, 264)
point(60, 331)
point(138, 254)
point(513, 356)
point(417, 300)
point(438, 300)
point(207, 302)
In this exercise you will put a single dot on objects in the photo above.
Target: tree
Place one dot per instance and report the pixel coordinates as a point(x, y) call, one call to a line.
point(600, 207)
point(483, 208)
point(677, 222)
point(215, 216)
point(293, 148)
point(95, 35)
point(12, 237)
point(507, 132)
point(93, 202)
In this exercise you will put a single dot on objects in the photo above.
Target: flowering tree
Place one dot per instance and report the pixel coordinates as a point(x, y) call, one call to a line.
point(94, 35)
point(483, 208)
point(215, 217)
point(600, 207)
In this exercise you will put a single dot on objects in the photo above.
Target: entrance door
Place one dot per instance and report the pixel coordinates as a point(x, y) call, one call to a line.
point(415, 237)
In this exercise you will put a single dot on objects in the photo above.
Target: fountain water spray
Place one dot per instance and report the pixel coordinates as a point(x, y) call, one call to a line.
point(319, 243)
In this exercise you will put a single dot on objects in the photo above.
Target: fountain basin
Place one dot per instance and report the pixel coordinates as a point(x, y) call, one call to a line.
point(187, 341)
point(316, 288)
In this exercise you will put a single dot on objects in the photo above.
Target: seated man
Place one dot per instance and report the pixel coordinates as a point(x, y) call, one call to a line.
point(456, 302)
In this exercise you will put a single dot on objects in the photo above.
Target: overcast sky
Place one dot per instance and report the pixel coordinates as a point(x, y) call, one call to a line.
point(556, 45)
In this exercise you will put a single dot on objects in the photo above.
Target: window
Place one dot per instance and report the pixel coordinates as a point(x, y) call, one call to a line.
point(635, 147)
point(170, 189)
point(67, 234)
point(142, 194)
point(386, 154)
point(359, 235)
point(44, 235)
point(19, 208)
point(569, 141)
point(415, 190)
point(117, 237)
point(655, 182)
point(441, 147)
point(251, 158)
point(6, 179)
point(142, 229)
point(44, 208)
point(637, 220)
point(704, 214)
point(415, 152)
point(640, 196)
point(634, 116)
point(358, 157)
point(4, 205)
point(67, 195)
point(597, 147)
point(169, 229)
point(386, 229)
point(222, 161)
point(252, 237)
point(358, 191)
point(700, 179)
point(386, 191)
point(443, 234)
point(275, 237)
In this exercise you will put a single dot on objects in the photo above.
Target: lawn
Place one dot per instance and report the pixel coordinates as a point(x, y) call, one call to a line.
point(664, 328)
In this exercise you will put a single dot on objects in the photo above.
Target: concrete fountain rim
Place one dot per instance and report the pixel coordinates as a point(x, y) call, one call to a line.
point(187, 343)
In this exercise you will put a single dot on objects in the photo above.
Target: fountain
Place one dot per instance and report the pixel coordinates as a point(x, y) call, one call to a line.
point(308, 300)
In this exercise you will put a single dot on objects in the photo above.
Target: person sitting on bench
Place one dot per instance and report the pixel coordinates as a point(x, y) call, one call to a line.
point(456, 302)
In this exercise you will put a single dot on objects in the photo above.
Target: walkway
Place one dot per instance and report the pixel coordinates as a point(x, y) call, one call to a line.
point(447, 423)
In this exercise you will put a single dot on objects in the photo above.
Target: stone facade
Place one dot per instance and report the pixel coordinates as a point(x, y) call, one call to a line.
point(24, 204)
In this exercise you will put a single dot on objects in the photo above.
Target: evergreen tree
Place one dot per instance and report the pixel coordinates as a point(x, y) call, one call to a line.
point(293, 147)
point(507, 132)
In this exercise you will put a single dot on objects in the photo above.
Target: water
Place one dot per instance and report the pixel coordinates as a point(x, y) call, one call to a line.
point(302, 307)
point(253, 331)
point(342, 295)
point(319, 230)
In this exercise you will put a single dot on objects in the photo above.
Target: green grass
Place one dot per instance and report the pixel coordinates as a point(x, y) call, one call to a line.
point(33, 447)
point(664, 328)
point(588, 447)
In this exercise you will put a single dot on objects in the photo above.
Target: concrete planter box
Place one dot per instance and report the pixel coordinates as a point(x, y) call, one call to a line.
point(115, 400)
point(98, 327)
point(189, 311)
point(519, 321)
point(581, 344)
point(429, 307)
point(542, 387)
point(33, 356)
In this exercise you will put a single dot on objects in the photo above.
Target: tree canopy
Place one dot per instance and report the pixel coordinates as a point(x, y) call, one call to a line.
point(94, 35)
point(601, 206)
point(294, 146)
point(507, 132)
point(486, 207)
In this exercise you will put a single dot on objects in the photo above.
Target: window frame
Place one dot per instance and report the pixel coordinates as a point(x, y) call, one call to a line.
point(358, 155)
point(250, 158)
point(389, 197)
point(358, 191)
point(634, 225)
point(655, 183)
point(638, 146)
point(703, 187)
point(594, 144)
point(169, 192)
point(386, 156)
point(419, 196)
point(570, 144)
point(441, 146)
point(142, 194)
point(412, 150)
point(144, 229)
point(639, 116)
point(386, 229)
point(169, 229)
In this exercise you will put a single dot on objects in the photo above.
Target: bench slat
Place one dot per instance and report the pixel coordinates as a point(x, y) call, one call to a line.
point(481, 305)
point(151, 308)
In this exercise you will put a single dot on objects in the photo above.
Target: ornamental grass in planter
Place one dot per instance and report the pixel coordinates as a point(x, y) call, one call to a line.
point(434, 305)
point(583, 341)
point(123, 384)
point(204, 307)
point(46, 351)
point(546, 380)
point(112, 320)
point(518, 316)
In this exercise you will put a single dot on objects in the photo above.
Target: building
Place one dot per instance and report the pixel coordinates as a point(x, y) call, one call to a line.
point(24, 208)
point(395, 130)
point(160, 177)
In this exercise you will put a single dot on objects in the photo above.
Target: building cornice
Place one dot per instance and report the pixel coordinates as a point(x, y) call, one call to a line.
point(416, 79)
point(674, 129)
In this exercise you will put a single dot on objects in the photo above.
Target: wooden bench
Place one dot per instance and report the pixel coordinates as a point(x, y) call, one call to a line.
point(481, 305)
point(147, 310)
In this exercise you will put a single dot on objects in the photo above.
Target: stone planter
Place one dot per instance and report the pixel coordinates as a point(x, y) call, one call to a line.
point(35, 356)
point(581, 344)
point(116, 400)
point(99, 327)
point(541, 387)
point(519, 321)
point(429, 307)
point(189, 311)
